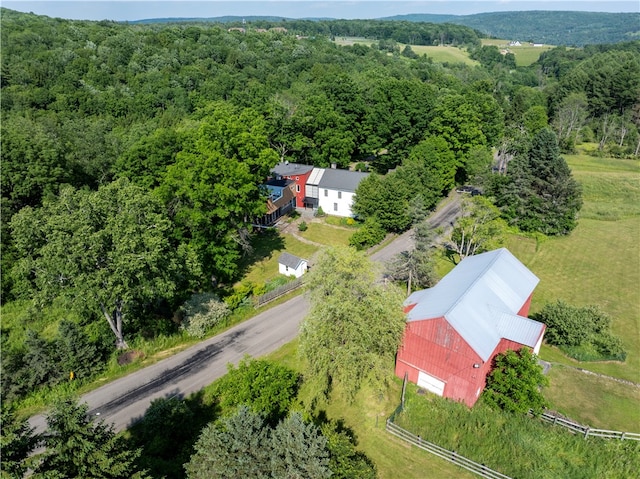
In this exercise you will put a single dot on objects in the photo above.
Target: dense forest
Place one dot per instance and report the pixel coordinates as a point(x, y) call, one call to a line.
point(133, 156)
point(549, 27)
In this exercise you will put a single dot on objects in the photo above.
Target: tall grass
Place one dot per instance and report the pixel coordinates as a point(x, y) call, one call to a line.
point(516, 445)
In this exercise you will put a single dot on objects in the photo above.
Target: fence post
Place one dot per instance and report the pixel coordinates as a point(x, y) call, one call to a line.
point(622, 437)
point(453, 456)
point(586, 432)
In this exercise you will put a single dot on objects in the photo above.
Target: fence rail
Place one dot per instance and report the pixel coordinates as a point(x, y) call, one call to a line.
point(587, 431)
point(279, 291)
point(443, 453)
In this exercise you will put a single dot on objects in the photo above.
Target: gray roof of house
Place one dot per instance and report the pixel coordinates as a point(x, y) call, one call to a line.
point(291, 169)
point(290, 260)
point(343, 180)
point(481, 298)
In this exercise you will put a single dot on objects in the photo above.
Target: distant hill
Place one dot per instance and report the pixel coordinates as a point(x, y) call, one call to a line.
point(549, 27)
point(553, 28)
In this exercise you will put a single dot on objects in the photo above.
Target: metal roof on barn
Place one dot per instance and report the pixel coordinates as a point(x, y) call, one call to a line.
point(481, 298)
point(290, 260)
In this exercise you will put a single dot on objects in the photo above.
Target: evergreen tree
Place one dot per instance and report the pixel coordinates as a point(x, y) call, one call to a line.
point(298, 450)
point(237, 446)
point(416, 267)
point(78, 448)
point(539, 193)
point(17, 442)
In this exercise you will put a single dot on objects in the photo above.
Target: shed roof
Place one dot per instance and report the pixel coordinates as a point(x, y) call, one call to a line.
point(480, 298)
point(291, 169)
point(343, 180)
point(290, 260)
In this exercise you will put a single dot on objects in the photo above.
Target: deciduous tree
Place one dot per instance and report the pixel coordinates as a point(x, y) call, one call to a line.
point(355, 324)
point(105, 251)
point(479, 227)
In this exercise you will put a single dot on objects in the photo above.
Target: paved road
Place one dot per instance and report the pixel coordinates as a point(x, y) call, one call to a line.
point(124, 401)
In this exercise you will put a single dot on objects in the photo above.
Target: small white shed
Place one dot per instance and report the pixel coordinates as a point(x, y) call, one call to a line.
point(291, 265)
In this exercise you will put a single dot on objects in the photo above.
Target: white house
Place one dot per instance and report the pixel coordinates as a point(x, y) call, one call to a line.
point(332, 190)
point(291, 265)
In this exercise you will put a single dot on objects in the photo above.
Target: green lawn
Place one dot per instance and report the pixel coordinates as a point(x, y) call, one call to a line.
point(327, 234)
point(266, 267)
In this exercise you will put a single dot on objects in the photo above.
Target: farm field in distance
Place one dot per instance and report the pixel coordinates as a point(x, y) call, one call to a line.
point(525, 53)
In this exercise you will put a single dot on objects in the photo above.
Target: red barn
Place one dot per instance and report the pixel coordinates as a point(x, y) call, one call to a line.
point(297, 173)
point(455, 329)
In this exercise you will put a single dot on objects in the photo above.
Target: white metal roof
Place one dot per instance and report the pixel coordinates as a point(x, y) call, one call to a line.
point(480, 298)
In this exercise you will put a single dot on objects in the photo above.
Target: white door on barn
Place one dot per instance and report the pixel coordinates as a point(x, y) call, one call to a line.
point(430, 383)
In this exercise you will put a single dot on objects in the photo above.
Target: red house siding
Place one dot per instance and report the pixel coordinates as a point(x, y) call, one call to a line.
point(300, 183)
point(433, 346)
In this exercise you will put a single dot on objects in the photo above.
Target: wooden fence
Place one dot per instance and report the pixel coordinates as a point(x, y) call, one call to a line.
point(445, 454)
point(587, 431)
point(279, 291)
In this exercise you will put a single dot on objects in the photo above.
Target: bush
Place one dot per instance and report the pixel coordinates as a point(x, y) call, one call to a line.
point(319, 211)
point(583, 333)
point(371, 233)
point(201, 312)
point(514, 383)
point(302, 226)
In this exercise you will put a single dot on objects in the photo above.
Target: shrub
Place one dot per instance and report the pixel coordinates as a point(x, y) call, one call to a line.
point(514, 383)
point(319, 211)
point(201, 312)
point(584, 333)
point(371, 233)
point(302, 226)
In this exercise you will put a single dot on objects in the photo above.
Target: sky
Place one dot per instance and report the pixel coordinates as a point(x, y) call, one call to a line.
point(121, 10)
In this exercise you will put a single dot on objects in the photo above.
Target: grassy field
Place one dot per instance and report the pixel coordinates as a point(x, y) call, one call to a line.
point(444, 54)
point(598, 263)
point(525, 54)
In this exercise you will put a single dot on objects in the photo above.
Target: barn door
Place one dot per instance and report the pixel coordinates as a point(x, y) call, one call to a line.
point(430, 383)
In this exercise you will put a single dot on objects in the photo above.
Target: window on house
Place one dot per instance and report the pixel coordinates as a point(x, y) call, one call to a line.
point(326, 192)
point(339, 194)
point(297, 188)
point(335, 207)
point(297, 178)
